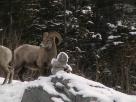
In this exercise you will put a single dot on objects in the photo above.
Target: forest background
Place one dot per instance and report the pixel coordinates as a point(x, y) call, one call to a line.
point(98, 35)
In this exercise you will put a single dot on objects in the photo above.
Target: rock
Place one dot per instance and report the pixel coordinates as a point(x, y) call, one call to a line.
point(35, 94)
point(38, 94)
point(64, 87)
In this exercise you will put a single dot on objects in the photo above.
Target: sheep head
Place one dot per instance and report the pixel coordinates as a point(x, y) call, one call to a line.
point(49, 38)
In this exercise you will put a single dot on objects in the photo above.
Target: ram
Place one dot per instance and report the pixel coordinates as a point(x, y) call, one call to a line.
point(5, 59)
point(36, 57)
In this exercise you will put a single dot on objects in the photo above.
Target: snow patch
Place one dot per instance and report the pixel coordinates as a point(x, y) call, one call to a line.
point(133, 28)
point(54, 99)
point(118, 42)
point(68, 12)
point(113, 37)
point(99, 36)
point(111, 25)
point(84, 87)
point(132, 33)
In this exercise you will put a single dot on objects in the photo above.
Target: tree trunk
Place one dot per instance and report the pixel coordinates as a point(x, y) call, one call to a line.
point(65, 25)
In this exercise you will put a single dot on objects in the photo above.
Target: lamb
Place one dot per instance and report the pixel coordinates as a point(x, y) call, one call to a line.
point(5, 59)
point(60, 63)
point(36, 57)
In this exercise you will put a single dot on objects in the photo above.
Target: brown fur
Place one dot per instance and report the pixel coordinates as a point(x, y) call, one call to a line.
point(5, 59)
point(37, 57)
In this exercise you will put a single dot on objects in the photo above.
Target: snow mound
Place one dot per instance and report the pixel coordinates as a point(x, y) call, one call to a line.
point(76, 85)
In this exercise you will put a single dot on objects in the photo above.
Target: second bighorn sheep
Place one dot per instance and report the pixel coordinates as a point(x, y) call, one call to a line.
point(5, 59)
point(36, 57)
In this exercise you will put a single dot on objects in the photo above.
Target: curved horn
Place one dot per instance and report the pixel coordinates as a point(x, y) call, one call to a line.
point(58, 36)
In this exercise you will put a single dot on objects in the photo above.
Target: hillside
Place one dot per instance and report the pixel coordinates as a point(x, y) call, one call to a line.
point(62, 87)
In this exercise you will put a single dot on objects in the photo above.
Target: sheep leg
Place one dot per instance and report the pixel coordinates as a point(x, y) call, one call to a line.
point(48, 70)
point(11, 76)
point(35, 74)
point(45, 71)
point(17, 69)
point(21, 73)
point(42, 71)
point(7, 72)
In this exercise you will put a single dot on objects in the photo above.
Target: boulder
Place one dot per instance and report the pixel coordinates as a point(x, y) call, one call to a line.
point(68, 87)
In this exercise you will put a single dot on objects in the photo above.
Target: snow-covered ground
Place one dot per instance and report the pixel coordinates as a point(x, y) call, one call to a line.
point(87, 88)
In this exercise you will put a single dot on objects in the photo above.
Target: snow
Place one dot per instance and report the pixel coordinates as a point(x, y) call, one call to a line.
point(118, 42)
point(99, 36)
point(47, 85)
point(32, 10)
point(84, 11)
point(57, 24)
point(132, 33)
point(133, 28)
point(68, 12)
point(60, 63)
point(113, 37)
point(87, 10)
point(90, 22)
point(119, 23)
point(89, 7)
point(59, 84)
point(103, 48)
point(54, 99)
point(12, 92)
point(87, 88)
point(103, 93)
point(1, 29)
point(111, 25)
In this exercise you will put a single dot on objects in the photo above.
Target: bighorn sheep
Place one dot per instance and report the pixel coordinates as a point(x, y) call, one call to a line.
point(5, 59)
point(36, 57)
point(60, 63)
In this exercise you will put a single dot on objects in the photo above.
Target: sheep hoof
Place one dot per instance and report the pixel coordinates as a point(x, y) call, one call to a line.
point(9, 82)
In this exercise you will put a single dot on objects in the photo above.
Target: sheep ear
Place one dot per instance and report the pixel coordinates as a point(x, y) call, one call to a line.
point(45, 34)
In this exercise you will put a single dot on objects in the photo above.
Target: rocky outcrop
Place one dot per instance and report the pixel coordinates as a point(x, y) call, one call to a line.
point(38, 94)
point(64, 87)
